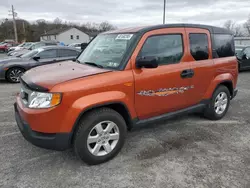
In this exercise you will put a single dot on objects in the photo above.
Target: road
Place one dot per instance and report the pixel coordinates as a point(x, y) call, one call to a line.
point(182, 152)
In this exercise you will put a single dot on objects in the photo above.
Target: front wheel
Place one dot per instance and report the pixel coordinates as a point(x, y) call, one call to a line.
point(219, 104)
point(13, 74)
point(100, 136)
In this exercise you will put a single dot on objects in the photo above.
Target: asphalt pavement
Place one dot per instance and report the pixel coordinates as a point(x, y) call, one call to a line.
point(183, 152)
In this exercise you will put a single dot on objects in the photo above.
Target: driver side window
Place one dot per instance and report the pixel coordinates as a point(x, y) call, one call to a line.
point(47, 54)
point(168, 49)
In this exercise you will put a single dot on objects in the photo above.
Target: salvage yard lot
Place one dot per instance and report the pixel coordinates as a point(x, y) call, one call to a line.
point(184, 152)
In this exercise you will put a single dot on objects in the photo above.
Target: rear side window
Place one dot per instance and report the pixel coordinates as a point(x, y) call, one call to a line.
point(199, 46)
point(48, 54)
point(67, 53)
point(167, 48)
point(224, 45)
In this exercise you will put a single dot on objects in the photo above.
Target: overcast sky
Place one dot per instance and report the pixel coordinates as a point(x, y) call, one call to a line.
point(130, 12)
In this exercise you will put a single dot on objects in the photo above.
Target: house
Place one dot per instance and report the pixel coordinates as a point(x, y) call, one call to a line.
point(66, 36)
point(242, 41)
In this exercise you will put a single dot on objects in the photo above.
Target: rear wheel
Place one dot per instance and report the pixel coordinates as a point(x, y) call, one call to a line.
point(13, 74)
point(219, 104)
point(100, 136)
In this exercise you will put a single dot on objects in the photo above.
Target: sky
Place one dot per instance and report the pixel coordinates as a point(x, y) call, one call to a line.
point(130, 12)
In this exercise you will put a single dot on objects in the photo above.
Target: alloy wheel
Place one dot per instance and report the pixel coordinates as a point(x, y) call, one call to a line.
point(103, 138)
point(15, 74)
point(221, 102)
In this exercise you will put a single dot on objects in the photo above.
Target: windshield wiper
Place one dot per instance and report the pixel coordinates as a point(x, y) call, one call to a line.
point(78, 61)
point(94, 64)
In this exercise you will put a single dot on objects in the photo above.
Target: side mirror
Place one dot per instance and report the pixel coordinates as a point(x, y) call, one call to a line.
point(147, 62)
point(74, 59)
point(36, 58)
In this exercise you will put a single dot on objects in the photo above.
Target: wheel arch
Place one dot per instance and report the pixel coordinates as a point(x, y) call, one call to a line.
point(118, 106)
point(222, 79)
point(228, 84)
point(14, 66)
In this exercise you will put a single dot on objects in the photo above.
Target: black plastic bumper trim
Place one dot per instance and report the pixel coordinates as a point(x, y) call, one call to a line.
point(55, 141)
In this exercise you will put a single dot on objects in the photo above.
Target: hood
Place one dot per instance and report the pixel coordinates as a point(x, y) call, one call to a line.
point(45, 77)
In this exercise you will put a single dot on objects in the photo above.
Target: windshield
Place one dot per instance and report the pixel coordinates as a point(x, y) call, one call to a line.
point(30, 54)
point(27, 44)
point(107, 50)
point(238, 51)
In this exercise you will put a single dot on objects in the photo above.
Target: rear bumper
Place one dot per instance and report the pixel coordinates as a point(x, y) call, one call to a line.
point(55, 141)
point(234, 93)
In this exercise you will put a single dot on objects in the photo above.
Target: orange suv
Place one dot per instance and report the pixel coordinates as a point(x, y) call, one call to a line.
point(125, 78)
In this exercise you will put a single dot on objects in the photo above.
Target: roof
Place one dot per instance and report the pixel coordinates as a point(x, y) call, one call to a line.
point(143, 29)
point(58, 47)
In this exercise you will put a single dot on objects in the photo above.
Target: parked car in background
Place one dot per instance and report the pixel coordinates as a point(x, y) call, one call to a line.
point(76, 45)
point(5, 45)
point(35, 45)
point(147, 74)
point(238, 49)
point(243, 57)
point(20, 46)
point(12, 68)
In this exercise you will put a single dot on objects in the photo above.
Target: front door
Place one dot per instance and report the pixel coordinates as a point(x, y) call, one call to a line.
point(48, 56)
point(165, 88)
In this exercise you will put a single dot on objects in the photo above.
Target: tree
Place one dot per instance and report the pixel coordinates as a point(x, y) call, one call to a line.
point(247, 25)
point(105, 26)
point(236, 29)
point(32, 31)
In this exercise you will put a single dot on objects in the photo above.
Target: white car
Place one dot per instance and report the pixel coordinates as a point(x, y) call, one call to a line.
point(76, 45)
point(20, 46)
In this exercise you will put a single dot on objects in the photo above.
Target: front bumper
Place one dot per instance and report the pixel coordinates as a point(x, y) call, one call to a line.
point(55, 141)
point(234, 93)
point(2, 73)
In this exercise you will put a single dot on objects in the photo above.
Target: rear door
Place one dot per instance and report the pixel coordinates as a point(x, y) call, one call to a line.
point(67, 54)
point(201, 62)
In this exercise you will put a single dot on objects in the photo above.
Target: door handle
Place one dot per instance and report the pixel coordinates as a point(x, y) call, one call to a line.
point(188, 73)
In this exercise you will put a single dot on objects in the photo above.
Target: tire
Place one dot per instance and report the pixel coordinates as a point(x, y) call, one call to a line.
point(13, 74)
point(214, 113)
point(88, 127)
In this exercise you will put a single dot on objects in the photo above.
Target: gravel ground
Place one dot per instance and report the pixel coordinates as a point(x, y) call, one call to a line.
point(184, 152)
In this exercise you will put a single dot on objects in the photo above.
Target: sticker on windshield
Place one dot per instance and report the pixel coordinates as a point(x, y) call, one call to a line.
point(124, 37)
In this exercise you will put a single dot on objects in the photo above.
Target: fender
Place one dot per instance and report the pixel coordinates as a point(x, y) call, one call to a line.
point(226, 77)
point(85, 103)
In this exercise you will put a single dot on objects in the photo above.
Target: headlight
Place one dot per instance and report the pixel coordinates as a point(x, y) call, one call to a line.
point(44, 100)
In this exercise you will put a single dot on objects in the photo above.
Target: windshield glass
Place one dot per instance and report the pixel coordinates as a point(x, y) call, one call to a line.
point(30, 54)
point(107, 50)
point(238, 51)
point(27, 44)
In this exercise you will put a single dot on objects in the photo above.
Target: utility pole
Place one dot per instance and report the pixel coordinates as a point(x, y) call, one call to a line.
point(14, 14)
point(24, 32)
point(164, 11)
